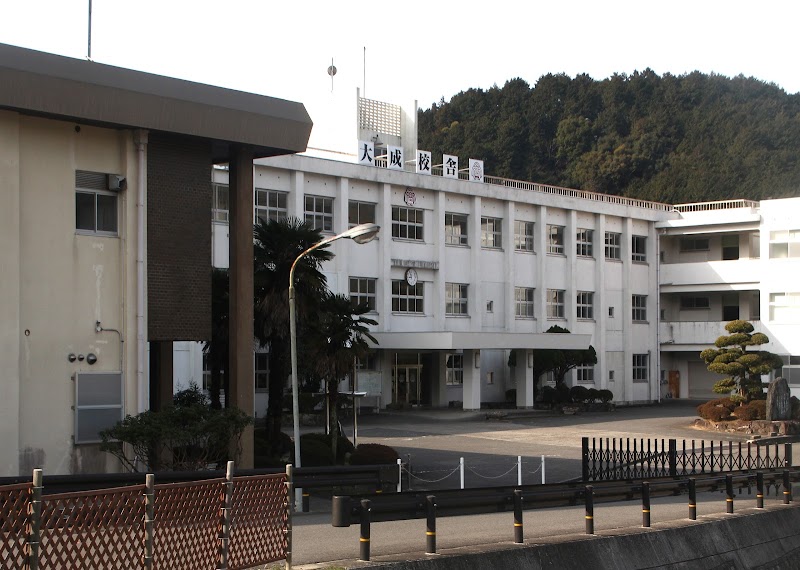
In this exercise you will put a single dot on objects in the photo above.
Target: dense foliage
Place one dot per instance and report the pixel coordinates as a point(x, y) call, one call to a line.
point(674, 139)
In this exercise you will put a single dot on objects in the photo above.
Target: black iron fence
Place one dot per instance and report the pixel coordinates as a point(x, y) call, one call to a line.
point(610, 459)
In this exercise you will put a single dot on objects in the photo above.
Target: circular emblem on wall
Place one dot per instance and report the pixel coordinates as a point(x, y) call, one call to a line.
point(411, 276)
point(409, 197)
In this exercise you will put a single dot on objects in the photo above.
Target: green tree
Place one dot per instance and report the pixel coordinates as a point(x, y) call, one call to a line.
point(743, 368)
point(216, 350)
point(559, 361)
point(336, 339)
point(277, 245)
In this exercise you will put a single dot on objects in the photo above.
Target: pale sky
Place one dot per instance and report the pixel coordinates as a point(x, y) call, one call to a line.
point(414, 50)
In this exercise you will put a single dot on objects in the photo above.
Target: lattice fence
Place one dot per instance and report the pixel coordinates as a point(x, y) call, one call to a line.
point(259, 517)
point(93, 529)
point(14, 506)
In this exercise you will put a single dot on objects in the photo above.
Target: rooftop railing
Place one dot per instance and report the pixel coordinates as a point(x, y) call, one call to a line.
point(718, 205)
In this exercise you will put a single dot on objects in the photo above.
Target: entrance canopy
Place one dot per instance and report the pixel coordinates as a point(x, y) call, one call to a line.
point(479, 341)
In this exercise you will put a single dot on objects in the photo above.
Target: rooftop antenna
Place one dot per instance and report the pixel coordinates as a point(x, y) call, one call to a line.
point(331, 72)
point(89, 48)
point(364, 84)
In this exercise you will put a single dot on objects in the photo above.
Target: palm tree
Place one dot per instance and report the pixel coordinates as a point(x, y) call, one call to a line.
point(336, 339)
point(277, 245)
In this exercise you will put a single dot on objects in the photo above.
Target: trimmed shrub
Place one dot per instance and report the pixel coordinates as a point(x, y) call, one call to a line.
point(562, 394)
point(605, 395)
point(755, 410)
point(594, 395)
point(717, 410)
point(548, 395)
point(795, 408)
point(511, 395)
point(343, 447)
point(315, 452)
point(579, 394)
point(374, 454)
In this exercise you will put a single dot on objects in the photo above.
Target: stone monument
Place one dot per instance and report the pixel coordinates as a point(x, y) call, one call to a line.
point(779, 405)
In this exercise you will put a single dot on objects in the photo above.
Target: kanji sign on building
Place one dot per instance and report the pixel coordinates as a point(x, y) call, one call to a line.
point(366, 153)
point(394, 157)
point(423, 162)
point(449, 166)
point(475, 170)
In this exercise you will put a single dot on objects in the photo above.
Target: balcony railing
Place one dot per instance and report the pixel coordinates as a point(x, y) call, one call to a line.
point(718, 205)
point(696, 332)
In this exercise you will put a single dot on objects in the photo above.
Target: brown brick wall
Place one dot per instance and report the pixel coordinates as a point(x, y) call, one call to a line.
point(178, 238)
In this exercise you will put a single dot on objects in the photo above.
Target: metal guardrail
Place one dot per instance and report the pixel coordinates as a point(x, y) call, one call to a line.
point(365, 509)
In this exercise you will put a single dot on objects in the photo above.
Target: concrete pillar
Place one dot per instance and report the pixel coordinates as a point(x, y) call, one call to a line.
point(472, 380)
point(540, 243)
point(241, 293)
point(438, 297)
point(510, 262)
point(600, 303)
point(523, 378)
point(474, 292)
point(383, 216)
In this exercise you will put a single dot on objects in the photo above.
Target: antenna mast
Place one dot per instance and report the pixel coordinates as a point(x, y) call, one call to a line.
point(364, 84)
point(89, 48)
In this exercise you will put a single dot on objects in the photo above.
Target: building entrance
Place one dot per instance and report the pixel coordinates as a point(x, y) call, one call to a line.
point(406, 385)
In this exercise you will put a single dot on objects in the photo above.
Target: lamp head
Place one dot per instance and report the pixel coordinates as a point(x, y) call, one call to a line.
point(363, 233)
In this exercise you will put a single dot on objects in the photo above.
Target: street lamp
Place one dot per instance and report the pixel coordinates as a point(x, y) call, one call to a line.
point(362, 233)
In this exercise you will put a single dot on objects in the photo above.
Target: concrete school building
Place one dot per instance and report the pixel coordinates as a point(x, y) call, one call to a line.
point(465, 272)
point(105, 243)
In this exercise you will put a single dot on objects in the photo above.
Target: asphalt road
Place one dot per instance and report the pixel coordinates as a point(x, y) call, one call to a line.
point(435, 440)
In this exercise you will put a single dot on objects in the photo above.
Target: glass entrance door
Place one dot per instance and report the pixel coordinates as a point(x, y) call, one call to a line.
point(406, 383)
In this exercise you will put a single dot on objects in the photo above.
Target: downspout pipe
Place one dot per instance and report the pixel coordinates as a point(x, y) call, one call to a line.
point(142, 386)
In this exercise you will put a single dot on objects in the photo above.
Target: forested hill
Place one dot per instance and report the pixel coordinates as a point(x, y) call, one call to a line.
point(672, 139)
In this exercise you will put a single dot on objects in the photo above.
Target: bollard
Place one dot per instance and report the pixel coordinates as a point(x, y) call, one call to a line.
point(759, 490)
point(645, 504)
point(692, 500)
point(364, 539)
point(787, 488)
point(543, 478)
point(519, 470)
point(461, 469)
point(729, 494)
point(399, 475)
point(589, 496)
point(306, 502)
point(518, 516)
point(430, 531)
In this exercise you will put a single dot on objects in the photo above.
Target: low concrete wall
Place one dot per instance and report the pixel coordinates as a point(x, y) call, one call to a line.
point(767, 539)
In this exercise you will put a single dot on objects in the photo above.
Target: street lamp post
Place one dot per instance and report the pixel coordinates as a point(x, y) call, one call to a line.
point(362, 233)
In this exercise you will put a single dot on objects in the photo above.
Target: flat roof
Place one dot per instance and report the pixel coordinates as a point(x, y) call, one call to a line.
point(479, 341)
point(55, 86)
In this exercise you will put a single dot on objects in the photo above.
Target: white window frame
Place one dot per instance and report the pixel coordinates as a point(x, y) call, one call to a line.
point(453, 221)
point(784, 244)
point(555, 239)
point(261, 370)
point(318, 212)
point(640, 368)
point(491, 232)
point(360, 213)
point(639, 308)
point(555, 304)
point(585, 305)
point(220, 203)
point(85, 402)
point(523, 302)
point(96, 194)
point(613, 245)
point(584, 374)
point(454, 365)
point(408, 223)
point(784, 307)
point(456, 299)
point(523, 236)
point(691, 244)
point(694, 302)
point(584, 242)
point(363, 291)
point(408, 299)
point(272, 205)
point(791, 369)
point(639, 249)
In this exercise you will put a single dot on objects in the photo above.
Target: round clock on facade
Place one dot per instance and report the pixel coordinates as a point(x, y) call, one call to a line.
point(411, 276)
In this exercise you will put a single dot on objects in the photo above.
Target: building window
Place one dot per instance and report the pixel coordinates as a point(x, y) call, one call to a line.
point(640, 367)
point(523, 236)
point(95, 206)
point(639, 248)
point(584, 374)
point(791, 369)
point(261, 371)
point(455, 229)
point(639, 305)
point(455, 370)
point(369, 362)
point(688, 244)
point(613, 245)
point(585, 240)
point(555, 239)
point(491, 232)
point(730, 247)
point(688, 303)
point(319, 213)
point(555, 303)
point(585, 305)
point(98, 404)
point(784, 244)
point(360, 213)
point(407, 298)
point(523, 300)
point(610, 375)
point(271, 205)
point(455, 298)
point(490, 377)
point(220, 207)
point(784, 307)
point(362, 291)
point(407, 223)
point(611, 312)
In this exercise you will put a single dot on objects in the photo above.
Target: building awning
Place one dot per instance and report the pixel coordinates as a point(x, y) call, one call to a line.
point(83, 91)
point(479, 341)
